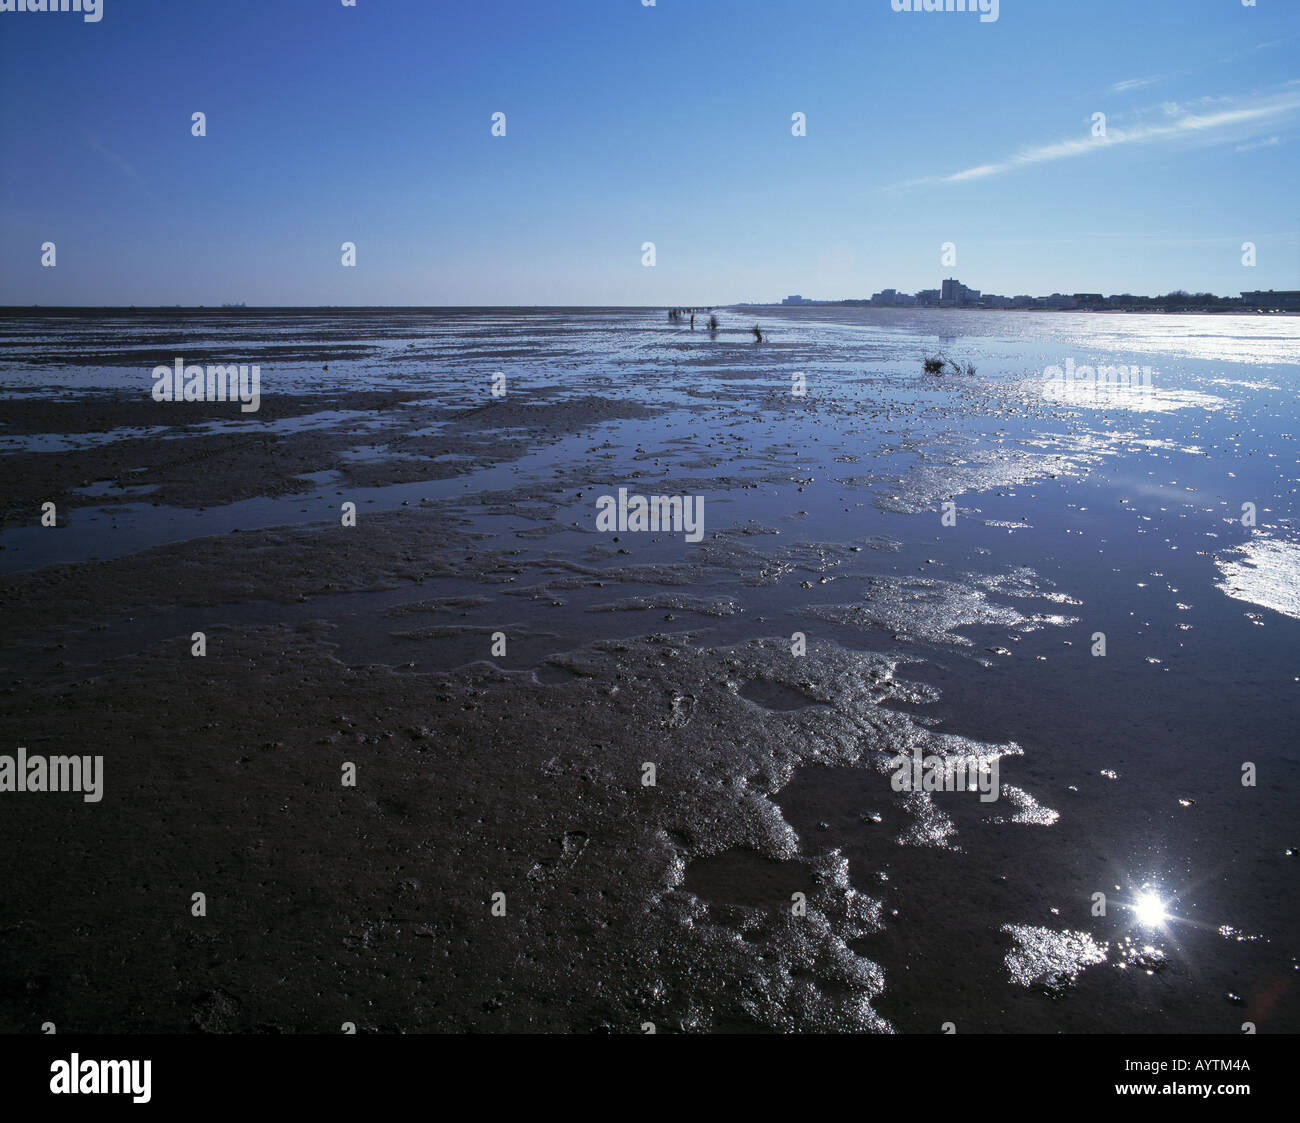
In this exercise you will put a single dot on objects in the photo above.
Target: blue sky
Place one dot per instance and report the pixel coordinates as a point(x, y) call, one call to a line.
point(627, 124)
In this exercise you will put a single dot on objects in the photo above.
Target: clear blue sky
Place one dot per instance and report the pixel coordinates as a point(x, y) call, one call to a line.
point(627, 124)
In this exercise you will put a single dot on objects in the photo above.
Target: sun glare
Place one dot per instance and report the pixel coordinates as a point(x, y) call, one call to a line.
point(1149, 910)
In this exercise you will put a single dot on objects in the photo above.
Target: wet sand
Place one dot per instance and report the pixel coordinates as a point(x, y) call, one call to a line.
point(523, 773)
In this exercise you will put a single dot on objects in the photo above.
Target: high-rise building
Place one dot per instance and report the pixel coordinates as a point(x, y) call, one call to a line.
point(954, 292)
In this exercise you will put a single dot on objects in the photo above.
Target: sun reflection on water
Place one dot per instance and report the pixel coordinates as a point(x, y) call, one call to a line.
point(1149, 910)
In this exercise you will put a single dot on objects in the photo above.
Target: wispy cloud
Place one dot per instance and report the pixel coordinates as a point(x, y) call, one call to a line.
point(1267, 142)
point(1133, 84)
point(1227, 120)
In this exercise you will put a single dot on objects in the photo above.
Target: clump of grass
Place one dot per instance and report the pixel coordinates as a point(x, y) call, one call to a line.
point(935, 364)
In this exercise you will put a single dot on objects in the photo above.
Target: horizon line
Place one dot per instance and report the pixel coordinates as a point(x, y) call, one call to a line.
point(806, 302)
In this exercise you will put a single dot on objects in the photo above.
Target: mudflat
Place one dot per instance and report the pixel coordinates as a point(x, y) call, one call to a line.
point(438, 749)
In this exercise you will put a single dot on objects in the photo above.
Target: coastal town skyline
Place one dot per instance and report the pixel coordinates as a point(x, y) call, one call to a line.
point(952, 293)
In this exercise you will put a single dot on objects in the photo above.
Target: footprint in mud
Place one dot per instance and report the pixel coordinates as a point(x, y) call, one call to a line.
point(215, 1011)
point(774, 696)
point(681, 709)
point(571, 848)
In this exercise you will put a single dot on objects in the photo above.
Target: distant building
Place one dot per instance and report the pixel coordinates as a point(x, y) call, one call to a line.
point(1285, 300)
point(928, 297)
point(794, 300)
point(954, 292)
point(1058, 301)
point(892, 298)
